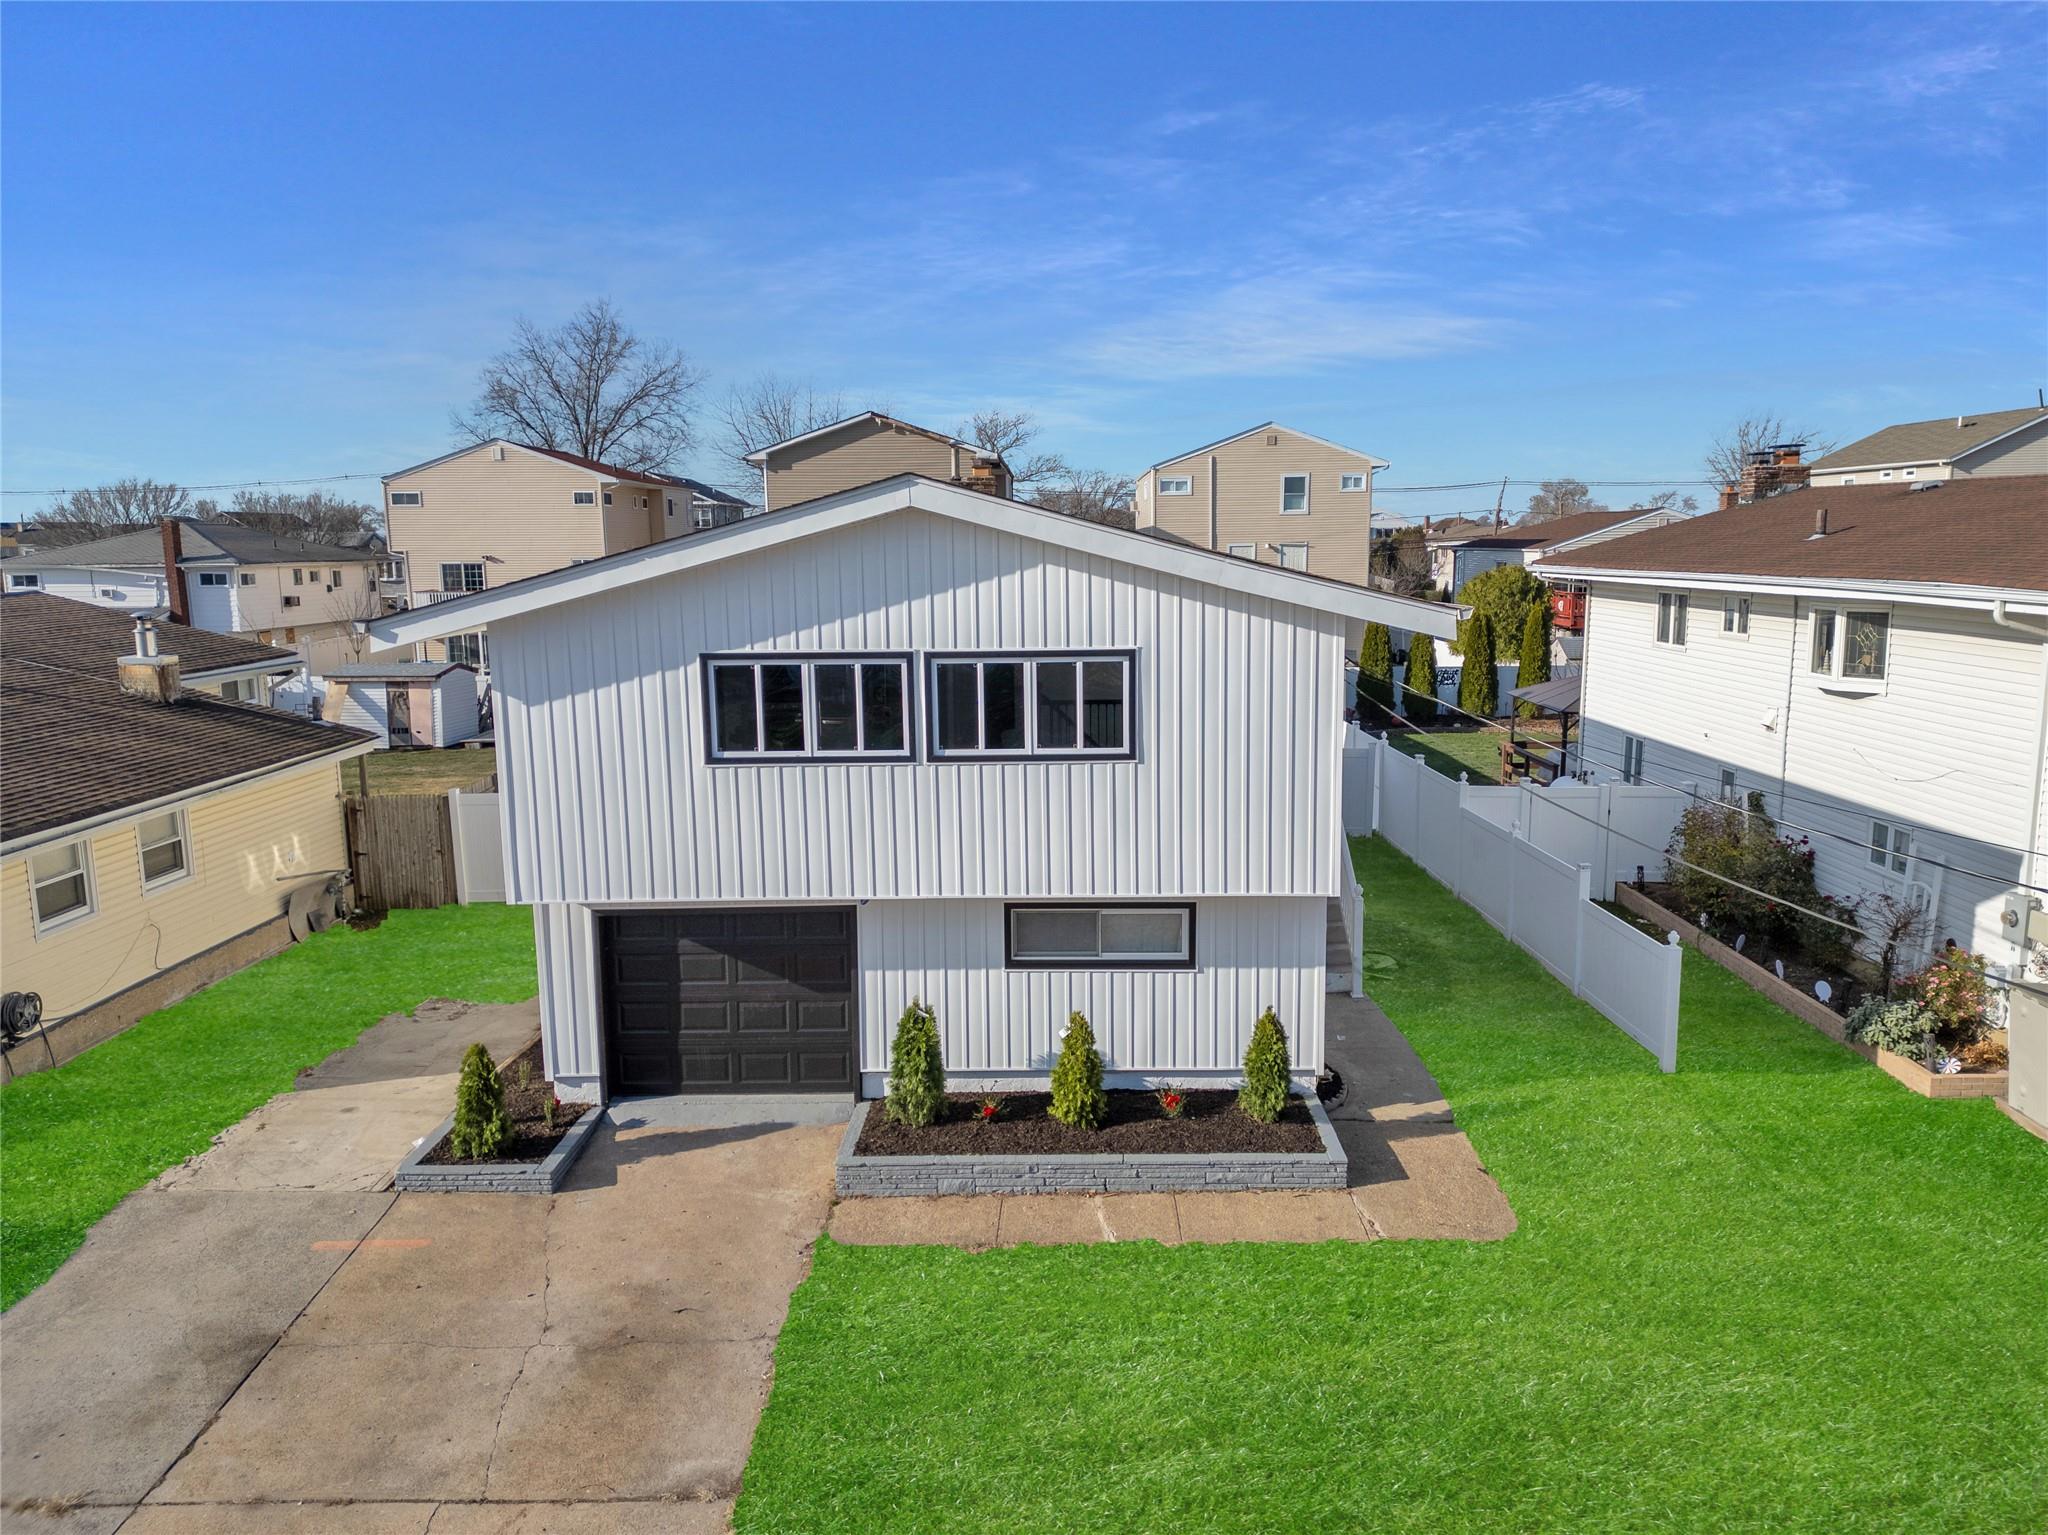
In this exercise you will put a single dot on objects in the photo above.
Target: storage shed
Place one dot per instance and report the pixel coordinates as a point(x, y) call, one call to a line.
point(407, 703)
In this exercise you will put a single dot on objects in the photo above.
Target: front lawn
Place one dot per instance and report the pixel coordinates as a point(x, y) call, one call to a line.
point(1775, 1291)
point(76, 1141)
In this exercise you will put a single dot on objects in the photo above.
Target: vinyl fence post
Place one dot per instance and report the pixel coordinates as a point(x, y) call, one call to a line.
point(1379, 780)
point(1607, 840)
point(1582, 914)
point(1667, 1047)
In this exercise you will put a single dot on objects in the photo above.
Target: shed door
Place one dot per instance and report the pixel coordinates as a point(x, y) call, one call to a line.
point(750, 999)
point(398, 714)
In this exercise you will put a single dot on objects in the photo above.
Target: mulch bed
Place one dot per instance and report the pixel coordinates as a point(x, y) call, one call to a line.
point(526, 1107)
point(1800, 972)
point(1211, 1121)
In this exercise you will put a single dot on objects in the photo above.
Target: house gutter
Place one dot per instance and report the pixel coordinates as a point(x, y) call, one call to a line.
point(1939, 594)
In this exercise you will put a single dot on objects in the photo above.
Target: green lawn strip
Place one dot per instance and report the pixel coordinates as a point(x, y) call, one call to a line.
point(1475, 753)
point(1774, 1291)
point(424, 772)
point(76, 1141)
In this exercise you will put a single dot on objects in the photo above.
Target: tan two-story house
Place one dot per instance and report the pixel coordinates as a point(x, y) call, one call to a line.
point(500, 511)
point(865, 448)
point(1996, 443)
point(1271, 494)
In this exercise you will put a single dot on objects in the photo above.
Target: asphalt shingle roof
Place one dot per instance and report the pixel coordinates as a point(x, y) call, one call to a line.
point(57, 630)
point(201, 542)
point(1920, 442)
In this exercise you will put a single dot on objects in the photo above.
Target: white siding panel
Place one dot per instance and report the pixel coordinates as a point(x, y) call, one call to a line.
point(600, 721)
point(565, 944)
point(365, 707)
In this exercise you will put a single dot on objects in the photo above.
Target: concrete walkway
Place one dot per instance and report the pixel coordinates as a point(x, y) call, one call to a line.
point(1413, 1174)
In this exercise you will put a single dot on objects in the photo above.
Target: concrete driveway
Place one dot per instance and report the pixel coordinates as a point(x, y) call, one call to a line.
point(225, 1354)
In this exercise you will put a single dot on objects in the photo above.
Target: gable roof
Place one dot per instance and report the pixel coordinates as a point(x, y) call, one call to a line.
point(760, 454)
point(905, 492)
point(700, 489)
point(1268, 426)
point(57, 630)
point(1925, 442)
point(1983, 535)
point(595, 466)
point(202, 543)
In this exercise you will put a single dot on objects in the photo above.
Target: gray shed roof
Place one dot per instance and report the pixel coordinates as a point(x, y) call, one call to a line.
point(203, 543)
point(1560, 695)
point(1922, 442)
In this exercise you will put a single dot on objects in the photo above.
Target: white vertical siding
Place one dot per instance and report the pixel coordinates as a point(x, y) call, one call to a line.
point(572, 1029)
point(609, 798)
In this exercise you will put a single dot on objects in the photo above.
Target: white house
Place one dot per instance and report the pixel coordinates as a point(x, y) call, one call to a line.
point(1873, 658)
point(765, 785)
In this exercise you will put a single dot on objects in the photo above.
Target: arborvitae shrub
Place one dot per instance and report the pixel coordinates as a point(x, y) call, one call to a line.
point(1418, 697)
point(917, 1075)
point(1535, 657)
point(481, 1128)
point(1266, 1070)
point(1375, 674)
point(1478, 687)
point(1077, 1095)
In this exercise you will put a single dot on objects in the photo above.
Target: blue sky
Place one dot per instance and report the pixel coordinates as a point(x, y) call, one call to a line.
point(278, 242)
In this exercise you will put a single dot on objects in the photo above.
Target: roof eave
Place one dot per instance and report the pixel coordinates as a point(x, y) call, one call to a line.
point(1950, 594)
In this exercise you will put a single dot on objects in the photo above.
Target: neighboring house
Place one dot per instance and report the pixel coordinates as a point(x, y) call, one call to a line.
point(1996, 443)
point(150, 837)
point(766, 786)
point(1460, 551)
point(220, 664)
point(406, 703)
point(1873, 658)
point(866, 448)
point(1270, 494)
point(261, 586)
point(501, 511)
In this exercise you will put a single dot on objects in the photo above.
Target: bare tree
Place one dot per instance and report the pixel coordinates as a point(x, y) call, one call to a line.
point(313, 515)
point(105, 509)
point(1399, 563)
point(1094, 494)
point(769, 409)
point(1671, 500)
point(1560, 498)
point(1752, 434)
point(1008, 433)
point(590, 387)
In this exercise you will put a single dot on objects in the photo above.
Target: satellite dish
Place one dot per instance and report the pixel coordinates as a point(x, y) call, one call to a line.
point(1823, 990)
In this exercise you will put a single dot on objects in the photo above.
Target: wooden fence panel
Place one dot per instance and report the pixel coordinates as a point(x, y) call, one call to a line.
point(402, 850)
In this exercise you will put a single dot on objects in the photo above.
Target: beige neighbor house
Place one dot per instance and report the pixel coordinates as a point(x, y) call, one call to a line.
point(866, 448)
point(484, 516)
point(1271, 494)
point(151, 838)
point(1998, 442)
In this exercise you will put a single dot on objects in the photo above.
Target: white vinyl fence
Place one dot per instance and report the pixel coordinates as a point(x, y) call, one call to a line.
point(473, 820)
point(1482, 841)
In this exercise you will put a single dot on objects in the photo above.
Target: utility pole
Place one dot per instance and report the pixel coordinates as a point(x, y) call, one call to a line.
point(1498, 502)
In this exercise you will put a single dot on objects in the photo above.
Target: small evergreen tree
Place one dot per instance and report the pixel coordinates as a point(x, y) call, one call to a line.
point(1535, 655)
point(917, 1075)
point(481, 1128)
point(1266, 1070)
point(1478, 688)
point(1077, 1096)
point(1375, 674)
point(1418, 696)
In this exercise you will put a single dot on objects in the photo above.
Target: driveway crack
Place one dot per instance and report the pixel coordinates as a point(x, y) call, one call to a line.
point(491, 1460)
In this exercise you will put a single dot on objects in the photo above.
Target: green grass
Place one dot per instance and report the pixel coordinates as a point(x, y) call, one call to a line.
point(76, 1141)
point(424, 772)
point(1772, 1292)
point(1472, 752)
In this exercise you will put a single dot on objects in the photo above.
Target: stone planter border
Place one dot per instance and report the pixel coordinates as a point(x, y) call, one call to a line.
point(1090, 1173)
point(1928, 1084)
point(416, 1176)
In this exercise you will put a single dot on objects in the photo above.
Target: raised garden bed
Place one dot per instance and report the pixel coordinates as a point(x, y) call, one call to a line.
point(1803, 1004)
point(534, 1161)
point(1138, 1150)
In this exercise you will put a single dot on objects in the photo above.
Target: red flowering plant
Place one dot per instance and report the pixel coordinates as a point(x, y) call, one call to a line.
point(1171, 1101)
point(988, 1110)
point(1955, 991)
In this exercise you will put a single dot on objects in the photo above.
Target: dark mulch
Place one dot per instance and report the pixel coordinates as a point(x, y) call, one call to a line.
point(1846, 989)
point(1210, 1121)
point(526, 1107)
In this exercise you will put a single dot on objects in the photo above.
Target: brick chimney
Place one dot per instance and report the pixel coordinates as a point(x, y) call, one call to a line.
point(146, 674)
point(174, 575)
point(1729, 496)
point(1774, 469)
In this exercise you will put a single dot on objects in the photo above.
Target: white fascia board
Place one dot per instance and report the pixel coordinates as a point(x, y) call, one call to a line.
point(1612, 529)
point(910, 492)
point(1269, 426)
point(242, 669)
point(1933, 594)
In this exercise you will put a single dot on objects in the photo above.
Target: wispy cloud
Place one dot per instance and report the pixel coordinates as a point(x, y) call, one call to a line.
point(1861, 237)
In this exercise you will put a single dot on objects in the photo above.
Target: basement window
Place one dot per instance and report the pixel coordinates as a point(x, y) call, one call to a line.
point(1123, 937)
point(807, 707)
point(60, 885)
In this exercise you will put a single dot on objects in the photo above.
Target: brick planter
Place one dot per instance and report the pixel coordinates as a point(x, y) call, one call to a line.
point(1928, 1084)
point(416, 1176)
point(1107, 1173)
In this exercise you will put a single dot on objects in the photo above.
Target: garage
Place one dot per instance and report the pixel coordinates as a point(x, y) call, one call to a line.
point(732, 1000)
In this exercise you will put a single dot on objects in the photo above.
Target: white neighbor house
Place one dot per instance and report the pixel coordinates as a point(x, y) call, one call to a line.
point(765, 785)
point(1884, 682)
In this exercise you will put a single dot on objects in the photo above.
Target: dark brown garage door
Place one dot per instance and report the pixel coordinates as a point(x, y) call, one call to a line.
point(745, 1000)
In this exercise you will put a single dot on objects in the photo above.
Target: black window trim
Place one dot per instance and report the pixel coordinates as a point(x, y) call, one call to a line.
point(935, 658)
point(1115, 962)
point(709, 660)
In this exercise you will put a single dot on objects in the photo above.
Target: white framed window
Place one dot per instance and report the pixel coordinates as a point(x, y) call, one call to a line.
point(247, 578)
point(60, 884)
point(405, 498)
point(607, 498)
point(213, 578)
point(641, 502)
point(1631, 759)
point(1891, 846)
point(25, 581)
point(766, 708)
point(161, 840)
point(1071, 704)
point(1119, 937)
point(1850, 647)
point(1351, 480)
point(1671, 613)
point(1848, 479)
point(1292, 556)
point(1294, 495)
point(467, 649)
point(394, 568)
point(298, 576)
point(239, 690)
point(671, 510)
point(703, 515)
point(1908, 473)
point(583, 498)
point(1176, 485)
point(462, 576)
point(1735, 614)
point(288, 600)
point(1885, 474)
point(1242, 551)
